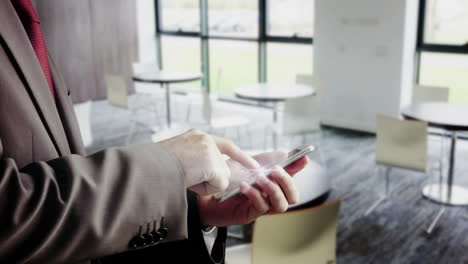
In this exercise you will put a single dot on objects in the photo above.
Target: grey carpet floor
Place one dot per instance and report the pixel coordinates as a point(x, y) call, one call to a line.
point(392, 233)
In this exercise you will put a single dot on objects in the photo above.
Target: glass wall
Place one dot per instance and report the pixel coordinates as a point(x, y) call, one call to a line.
point(447, 70)
point(180, 15)
point(285, 61)
point(446, 22)
point(291, 18)
point(233, 18)
point(232, 64)
point(443, 46)
point(182, 54)
point(234, 43)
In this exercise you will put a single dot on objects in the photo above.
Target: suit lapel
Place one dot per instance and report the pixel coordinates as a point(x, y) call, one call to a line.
point(67, 112)
point(30, 71)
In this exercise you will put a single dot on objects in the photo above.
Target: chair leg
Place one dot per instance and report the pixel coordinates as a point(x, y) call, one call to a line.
point(157, 115)
point(265, 142)
point(238, 134)
point(235, 235)
point(373, 206)
point(387, 181)
point(188, 115)
point(386, 193)
point(435, 221)
point(249, 135)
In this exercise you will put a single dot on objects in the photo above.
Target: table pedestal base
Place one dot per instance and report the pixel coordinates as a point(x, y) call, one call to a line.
point(439, 193)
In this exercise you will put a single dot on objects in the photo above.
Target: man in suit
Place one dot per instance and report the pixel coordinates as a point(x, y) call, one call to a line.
point(59, 205)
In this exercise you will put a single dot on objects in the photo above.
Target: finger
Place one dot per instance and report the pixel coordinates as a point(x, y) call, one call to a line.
point(218, 180)
point(297, 166)
point(258, 201)
point(278, 202)
point(210, 187)
point(284, 180)
point(227, 147)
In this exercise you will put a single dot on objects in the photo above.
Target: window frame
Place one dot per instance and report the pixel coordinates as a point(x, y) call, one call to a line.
point(434, 47)
point(262, 39)
point(422, 46)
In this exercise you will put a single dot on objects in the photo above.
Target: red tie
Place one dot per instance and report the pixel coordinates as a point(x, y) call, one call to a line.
point(31, 24)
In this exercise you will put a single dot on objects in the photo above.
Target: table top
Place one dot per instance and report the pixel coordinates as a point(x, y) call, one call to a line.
point(442, 115)
point(312, 182)
point(273, 92)
point(167, 76)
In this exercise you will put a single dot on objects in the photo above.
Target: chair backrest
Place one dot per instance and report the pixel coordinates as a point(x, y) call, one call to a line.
point(301, 115)
point(307, 79)
point(117, 91)
point(302, 236)
point(401, 143)
point(424, 94)
point(144, 67)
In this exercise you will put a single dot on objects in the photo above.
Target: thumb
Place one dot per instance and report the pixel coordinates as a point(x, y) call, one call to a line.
point(216, 182)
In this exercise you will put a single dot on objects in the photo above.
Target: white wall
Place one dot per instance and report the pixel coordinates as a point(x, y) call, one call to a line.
point(146, 30)
point(364, 59)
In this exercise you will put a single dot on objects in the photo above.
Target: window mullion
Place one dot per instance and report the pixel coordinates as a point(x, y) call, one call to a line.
point(262, 58)
point(205, 51)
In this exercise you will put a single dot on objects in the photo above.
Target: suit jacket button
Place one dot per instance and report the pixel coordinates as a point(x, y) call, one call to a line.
point(148, 238)
point(156, 236)
point(163, 231)
point(137, 242)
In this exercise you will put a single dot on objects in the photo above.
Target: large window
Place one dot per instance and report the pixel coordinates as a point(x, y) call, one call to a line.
point(234, 43)
point(285, 61)
point(233, 18)
point(182, 54)
point(232, 64)
point(443, 47)
point(447, 70)
point(292, 18)
point(446, 22)
point(180, 15)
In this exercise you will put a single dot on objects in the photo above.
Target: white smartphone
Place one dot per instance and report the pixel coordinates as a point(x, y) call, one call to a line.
point(293, 155)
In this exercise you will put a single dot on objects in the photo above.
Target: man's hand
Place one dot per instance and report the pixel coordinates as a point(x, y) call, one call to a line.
point(271, 195)
point(201, 158)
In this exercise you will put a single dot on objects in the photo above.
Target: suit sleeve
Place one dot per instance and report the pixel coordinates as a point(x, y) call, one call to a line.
point(191, 250)
point(76, 208)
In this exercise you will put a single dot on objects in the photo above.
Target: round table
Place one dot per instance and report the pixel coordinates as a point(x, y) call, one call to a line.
point(165, 78)
point(453, 118)
point(275, 93)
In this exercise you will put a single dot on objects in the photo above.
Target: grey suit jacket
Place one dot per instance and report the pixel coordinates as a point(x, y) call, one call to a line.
point(57, 204)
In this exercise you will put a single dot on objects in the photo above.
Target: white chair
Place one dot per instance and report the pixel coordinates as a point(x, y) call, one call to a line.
point(117, 95)
point(301, 116)
point(149, 89)
point(402, 144)
point(296, 237)
point(214, 122)
point(221, 123)
point(425, 94)
point(144, 67)
point(428, 94)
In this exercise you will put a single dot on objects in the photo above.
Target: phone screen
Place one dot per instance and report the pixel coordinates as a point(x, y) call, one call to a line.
point(280, 160)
